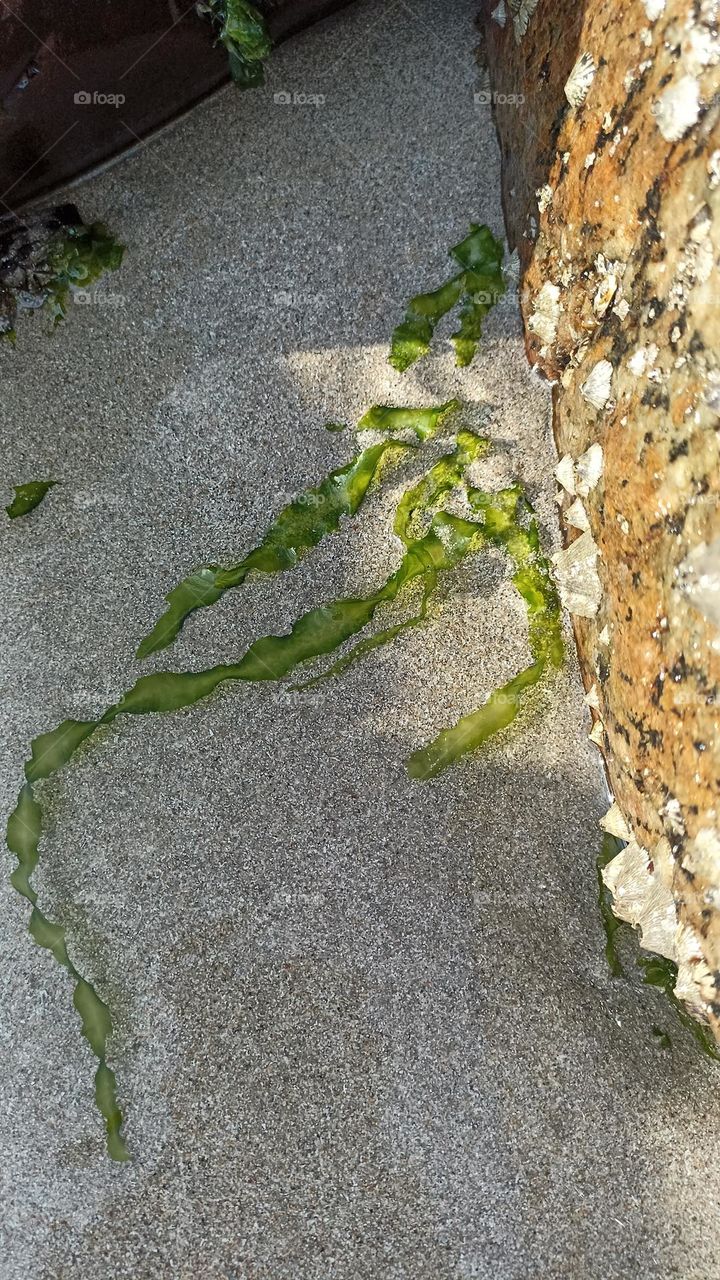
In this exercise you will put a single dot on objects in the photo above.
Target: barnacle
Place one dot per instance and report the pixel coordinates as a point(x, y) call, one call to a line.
point(596, 387)
point(580, 79)
point(577, 578)
point(678, 108)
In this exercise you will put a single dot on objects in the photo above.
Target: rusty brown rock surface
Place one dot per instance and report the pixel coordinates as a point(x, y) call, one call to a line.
point(612, 198)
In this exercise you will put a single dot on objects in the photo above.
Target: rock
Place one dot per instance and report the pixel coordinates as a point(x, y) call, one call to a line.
point(620, 303)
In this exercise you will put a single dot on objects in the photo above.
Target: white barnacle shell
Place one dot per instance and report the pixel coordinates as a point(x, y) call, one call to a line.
point(711, 393)
point(643, 359)
point(499, 14)
point(640, 885)
point(577, 578)
point(577, 516)
point(677, 108)
point(641, 896)
point(522, 11)
point(615, 823)
point(653, 9)
point(588, 469)
point(699, 579)
point(604, 294)
point(511, 268)
point(565, 473)
point(702, 50)
point(701, 856)
point(591, 698)
point(672, 813)
point(546, 313)
point(544, 197)
point(596, 387)
point(580, 79)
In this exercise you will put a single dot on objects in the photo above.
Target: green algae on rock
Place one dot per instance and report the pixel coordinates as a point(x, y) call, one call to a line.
point(28, 496)
point(609, 849)
point(478, 284)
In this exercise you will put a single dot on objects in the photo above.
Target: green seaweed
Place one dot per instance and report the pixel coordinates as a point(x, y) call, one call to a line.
point(242, 30)
point(46, 254)
point(609, 849)
point(474, 729)
point(661, 973)
point(28, 496)
point(76, 260)
point(302, 524)
point(416, 503)
point(502, 513)
point(299, 526)
point(271, 657)
point(423, 422)
point(23, 836)
point(433, 540)
point(479, 285)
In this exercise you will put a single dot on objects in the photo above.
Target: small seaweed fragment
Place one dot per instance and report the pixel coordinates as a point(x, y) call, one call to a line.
point(76, 261)
point(502, 514)
point(302, 524)
point(660, 972)
point(662, 1037)
point(45, 256)
point(474, 729)
point(479, 284)
point(242, 30)
point(23, 837)
point(28, 497)
point(423, 422)
point(609, 849)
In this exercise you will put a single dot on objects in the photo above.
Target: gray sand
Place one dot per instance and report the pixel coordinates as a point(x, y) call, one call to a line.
point(364, 1027)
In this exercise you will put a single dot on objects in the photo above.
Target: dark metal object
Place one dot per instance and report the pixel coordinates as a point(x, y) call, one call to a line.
point(64, 67)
